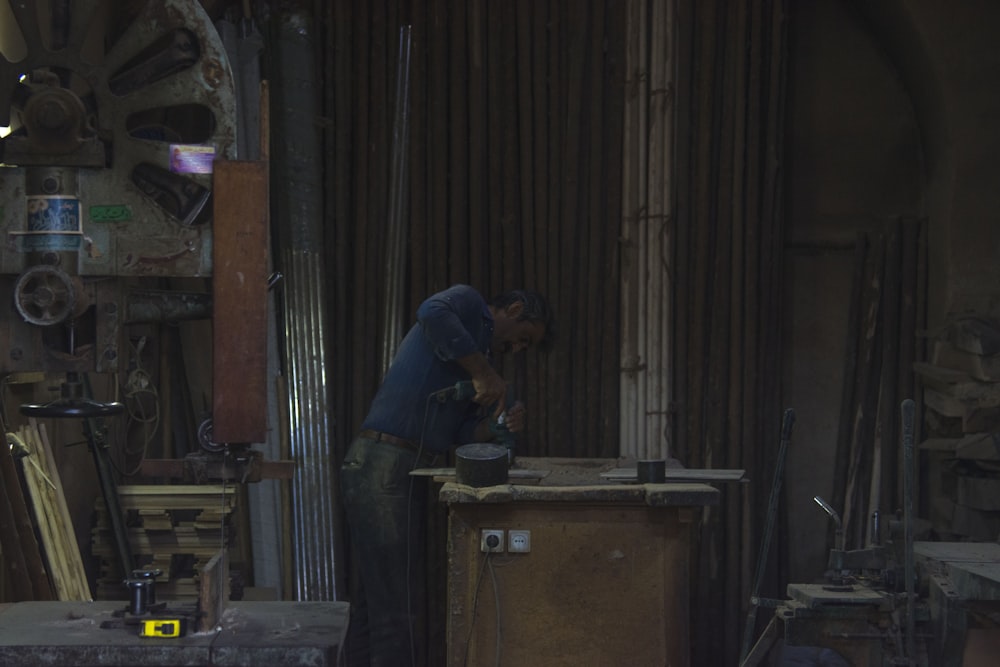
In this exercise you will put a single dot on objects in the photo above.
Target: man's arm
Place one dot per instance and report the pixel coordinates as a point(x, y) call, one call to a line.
point(440, 317)
point(490, 387)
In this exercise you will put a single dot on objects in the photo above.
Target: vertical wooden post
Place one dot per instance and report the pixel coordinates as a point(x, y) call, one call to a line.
point(239, 311)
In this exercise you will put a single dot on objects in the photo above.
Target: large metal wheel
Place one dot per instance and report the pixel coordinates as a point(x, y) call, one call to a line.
point(44, 296)
point(86, 88)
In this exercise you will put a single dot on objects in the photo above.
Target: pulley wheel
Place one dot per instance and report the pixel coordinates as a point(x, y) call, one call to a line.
point(205, 438)
point(45, 295)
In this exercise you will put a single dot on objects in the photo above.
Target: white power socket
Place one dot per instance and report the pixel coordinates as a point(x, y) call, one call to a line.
point(519, 541)
point(491, 541)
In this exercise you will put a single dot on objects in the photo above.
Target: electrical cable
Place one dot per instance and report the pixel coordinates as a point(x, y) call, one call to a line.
point(409, 507)
point(475, 605)
point(139, 384)
point(496, 602)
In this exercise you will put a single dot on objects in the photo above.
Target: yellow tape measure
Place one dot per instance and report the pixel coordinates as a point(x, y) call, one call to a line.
point(163, 627)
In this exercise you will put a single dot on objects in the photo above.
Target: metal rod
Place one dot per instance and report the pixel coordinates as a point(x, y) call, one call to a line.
point(94, 433)
point(907, 408)
point(772, 507)
point(396, 247)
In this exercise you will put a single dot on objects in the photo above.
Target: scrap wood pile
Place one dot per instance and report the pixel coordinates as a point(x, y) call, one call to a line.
point(176, 529)
point(962, 403)
point(41, 555)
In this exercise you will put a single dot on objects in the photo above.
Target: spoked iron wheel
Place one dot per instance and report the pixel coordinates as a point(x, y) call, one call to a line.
point(109, 90)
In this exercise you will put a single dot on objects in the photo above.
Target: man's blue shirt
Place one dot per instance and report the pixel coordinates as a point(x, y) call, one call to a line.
point(450, 324)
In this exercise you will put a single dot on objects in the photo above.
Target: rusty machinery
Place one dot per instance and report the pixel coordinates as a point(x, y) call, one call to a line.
point(92, 209)
point(96, 209)
point(867, 611)
point(894, 602)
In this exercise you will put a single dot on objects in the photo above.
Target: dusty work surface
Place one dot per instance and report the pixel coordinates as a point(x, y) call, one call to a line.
point(554, 471)
point(276, 634)
point(576, 480)
point(972, 567)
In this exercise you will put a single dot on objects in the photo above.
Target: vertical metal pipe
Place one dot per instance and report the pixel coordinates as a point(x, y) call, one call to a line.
point(297, 206)
point(907, 409)
point(647, 201)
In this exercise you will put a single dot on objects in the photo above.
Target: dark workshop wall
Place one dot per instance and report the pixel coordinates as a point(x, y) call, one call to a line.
point(513, 164)
point(856, 162)
point(891, 135)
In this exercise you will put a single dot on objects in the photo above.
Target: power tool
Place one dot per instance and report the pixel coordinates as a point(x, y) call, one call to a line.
point(464, 390)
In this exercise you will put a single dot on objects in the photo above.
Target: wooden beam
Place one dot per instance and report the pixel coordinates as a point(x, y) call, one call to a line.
point(239, 317)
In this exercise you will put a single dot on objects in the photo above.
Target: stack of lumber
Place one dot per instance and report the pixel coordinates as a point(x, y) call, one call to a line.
point(173, 528)
point(962, 402)
point(23, 568)
point(51, 514)
point(46, 503)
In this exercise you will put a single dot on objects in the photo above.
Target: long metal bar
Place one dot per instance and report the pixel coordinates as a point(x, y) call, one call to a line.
point(395, 260)
point(788, 419)
point(907, 408)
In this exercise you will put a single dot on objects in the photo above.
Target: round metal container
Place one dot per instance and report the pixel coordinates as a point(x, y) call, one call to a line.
point(651, 471)
point(481, 464)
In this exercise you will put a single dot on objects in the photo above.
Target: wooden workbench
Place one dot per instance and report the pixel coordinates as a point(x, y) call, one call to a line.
point(606, 580)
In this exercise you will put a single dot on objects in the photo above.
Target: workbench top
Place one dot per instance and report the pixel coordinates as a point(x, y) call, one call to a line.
point(275, 634)
point(576, 480)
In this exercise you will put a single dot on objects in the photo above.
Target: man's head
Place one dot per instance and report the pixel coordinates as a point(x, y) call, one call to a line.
point(522, 319)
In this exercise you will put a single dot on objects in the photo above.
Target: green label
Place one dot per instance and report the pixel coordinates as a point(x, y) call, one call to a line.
point(117, 213)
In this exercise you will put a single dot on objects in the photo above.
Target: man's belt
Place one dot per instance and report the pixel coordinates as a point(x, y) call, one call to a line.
point(379, 436)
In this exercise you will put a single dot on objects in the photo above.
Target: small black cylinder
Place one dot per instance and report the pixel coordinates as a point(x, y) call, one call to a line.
point(139, 596)
point(651, 471)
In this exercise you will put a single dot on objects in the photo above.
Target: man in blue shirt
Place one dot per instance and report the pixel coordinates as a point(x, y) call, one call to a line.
point(414, 418)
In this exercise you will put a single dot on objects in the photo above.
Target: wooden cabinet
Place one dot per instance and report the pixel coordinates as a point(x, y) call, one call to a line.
point(605, 582)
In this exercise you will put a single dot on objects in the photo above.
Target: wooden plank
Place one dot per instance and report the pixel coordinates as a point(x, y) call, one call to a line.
point(11, 556)
point(982, 446)
point(41, 588)
point(940, 377)
point(676, 474)
point(975, 524)
point(35, 483)
point(450, 472)
point(975, 334)
point(980, 420)
point(172, 491)
point(981, 367)
point(213, 591)
point(239, 302)
point(959, 385)
point(944, 405)
point(940, 444)
point(52, 517)
point(980, 493)
point(181, 469)
point(63, 519)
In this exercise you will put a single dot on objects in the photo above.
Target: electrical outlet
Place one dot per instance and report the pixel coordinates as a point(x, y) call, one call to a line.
point(491, 541)
point(519, 541)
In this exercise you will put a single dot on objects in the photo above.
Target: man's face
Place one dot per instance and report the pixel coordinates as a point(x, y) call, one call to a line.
point(513, 335)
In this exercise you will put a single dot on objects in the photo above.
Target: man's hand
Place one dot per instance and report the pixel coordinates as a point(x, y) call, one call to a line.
point(516, 417)
point(490, 388)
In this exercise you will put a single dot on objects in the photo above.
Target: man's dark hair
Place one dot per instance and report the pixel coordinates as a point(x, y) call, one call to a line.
point(536, 309)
